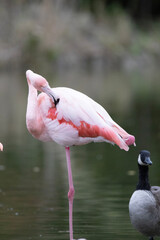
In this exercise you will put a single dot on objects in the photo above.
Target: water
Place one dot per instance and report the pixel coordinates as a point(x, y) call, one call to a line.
point(33, 175)
point(34, 203)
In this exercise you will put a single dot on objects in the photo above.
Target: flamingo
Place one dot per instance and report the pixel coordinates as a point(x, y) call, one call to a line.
point(1, 147)
point(69, 118)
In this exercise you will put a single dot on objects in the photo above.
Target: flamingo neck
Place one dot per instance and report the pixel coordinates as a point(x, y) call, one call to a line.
point(32, 102)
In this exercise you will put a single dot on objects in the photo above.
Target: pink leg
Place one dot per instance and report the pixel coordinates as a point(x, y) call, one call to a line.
point(70, 193)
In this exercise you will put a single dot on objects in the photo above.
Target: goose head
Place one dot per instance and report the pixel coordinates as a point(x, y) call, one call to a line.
point(144, 158)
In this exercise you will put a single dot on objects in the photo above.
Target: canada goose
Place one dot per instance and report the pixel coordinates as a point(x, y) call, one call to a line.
point(144, 204)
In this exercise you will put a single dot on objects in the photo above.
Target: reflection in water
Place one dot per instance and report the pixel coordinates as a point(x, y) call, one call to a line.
point(34, 182)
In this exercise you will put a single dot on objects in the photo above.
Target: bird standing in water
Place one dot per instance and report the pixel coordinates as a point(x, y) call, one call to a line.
point(69, 118)
point(144, 205)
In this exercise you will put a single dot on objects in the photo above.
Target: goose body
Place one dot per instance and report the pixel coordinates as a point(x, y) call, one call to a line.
point(144, 205)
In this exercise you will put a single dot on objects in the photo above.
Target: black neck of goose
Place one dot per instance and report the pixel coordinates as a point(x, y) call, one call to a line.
point(143, 183)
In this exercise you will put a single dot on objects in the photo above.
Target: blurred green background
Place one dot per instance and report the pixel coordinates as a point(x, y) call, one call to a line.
point(109, 50)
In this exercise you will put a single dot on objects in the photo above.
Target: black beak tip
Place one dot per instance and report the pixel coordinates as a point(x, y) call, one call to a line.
point(149, 162)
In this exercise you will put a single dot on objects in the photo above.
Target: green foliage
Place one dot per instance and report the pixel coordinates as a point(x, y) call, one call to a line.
point(51, 54)
point(32, 43)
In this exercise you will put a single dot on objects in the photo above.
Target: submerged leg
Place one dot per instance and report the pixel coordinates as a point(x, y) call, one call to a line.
point(70, 193)
point(151, 238)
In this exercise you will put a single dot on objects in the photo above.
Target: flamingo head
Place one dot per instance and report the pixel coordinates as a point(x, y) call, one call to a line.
point(36, 80)
point(41, 84)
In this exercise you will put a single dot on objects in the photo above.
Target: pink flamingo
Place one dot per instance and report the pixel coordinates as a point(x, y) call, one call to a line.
point(69, 118)
point(1, 147)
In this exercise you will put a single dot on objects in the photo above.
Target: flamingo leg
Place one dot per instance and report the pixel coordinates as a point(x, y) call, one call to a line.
point(70, 193)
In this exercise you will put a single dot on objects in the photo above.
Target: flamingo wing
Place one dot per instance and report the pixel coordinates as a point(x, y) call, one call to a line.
point(78, 114)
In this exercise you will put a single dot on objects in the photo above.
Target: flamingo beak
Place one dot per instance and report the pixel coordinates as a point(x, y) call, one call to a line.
point(46, 89)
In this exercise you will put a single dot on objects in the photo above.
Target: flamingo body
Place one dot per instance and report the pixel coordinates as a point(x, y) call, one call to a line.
point(76, 120)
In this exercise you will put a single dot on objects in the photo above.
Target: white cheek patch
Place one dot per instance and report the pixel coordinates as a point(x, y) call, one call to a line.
point(140, 161)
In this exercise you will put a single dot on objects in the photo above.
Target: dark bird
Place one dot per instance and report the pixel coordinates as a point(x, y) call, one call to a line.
point(144, 204)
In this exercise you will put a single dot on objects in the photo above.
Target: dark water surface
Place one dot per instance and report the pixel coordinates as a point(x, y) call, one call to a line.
point(33, 175)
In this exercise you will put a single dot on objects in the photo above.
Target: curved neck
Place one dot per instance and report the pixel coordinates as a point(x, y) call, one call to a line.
point(143, 183)
point(32, 113)
point(32, 102)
